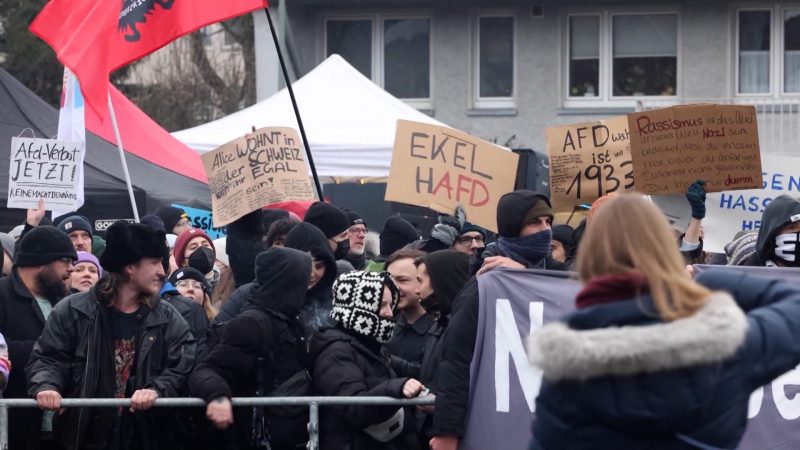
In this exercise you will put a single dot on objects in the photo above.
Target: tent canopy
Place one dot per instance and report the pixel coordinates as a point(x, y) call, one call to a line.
point(104, 186)
point(349, 121)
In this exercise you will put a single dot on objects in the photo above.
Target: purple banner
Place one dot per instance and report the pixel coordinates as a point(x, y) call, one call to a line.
point(504, 385)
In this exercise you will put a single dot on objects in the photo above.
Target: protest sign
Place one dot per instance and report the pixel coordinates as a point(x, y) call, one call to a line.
point(266, 166)
point(45, 169)
point(672, 147)
point(504, 384)
point(440, 168)
point(202, 219)
point(588, 161)
point(731, 212)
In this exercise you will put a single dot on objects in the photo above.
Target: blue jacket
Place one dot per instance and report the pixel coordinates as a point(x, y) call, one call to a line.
point(615, 376)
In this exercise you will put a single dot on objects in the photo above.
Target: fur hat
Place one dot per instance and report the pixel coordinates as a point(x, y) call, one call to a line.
point(328, 218)
point(357, 301)
point(43, 245)
point(127, 243)
point(75, 223)
point(182, 241)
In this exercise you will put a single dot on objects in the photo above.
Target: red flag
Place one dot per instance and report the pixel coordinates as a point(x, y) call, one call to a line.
point(95, 37)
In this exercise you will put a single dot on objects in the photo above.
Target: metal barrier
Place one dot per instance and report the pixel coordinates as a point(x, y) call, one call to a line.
point(313, 404)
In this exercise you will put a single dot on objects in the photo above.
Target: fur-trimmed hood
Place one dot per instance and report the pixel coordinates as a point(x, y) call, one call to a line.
point(713, 334)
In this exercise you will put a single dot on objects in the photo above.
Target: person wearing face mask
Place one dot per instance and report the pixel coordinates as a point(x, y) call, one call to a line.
point(350, 360)
point(193, 248)
point(333, 223)
point(85, 272)
point(523, 221)
point(412, 322)
point(778, 243)
point(268, 328)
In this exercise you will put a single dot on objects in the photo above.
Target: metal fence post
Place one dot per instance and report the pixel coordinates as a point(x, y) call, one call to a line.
point(313, 426)
point(3, 427)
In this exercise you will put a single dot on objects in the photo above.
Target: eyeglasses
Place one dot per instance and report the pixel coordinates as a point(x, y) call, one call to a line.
point(357, 231)
point(183, 223)
point(190, 284)
point(467, 240)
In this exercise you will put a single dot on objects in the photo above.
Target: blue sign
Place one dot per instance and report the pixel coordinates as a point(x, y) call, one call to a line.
point(202, 219)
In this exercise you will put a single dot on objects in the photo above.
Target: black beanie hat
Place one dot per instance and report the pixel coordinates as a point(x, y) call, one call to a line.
point(170, 215)
point(328, 218)
point(563, 234)
point(128, 243)
point(43, 245)
point(396, 234)
point(513, 209)
point(154, 221)
point(189, 273)
point(353, 217)
point(75, 223)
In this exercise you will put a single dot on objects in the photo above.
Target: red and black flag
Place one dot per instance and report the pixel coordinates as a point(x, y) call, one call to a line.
point(95, 37)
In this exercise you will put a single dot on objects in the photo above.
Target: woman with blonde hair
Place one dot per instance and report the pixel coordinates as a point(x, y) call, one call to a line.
point(652, 358)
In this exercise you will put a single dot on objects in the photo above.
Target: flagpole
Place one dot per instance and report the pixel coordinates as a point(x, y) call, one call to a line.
point(122, 158)
point(294, 105)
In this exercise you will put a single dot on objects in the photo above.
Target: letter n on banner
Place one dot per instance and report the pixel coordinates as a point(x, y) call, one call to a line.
point(509, 349)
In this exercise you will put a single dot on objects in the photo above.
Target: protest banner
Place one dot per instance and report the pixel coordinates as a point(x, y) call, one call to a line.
point(440, 168)
point(504, 385)
point(266, 166)
point(588, 161)
point(673, 147)
point(45, 169)
point(202, 219)
point(731, 212)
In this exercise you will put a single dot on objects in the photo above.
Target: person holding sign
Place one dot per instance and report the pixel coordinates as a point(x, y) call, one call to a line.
point(652, 358)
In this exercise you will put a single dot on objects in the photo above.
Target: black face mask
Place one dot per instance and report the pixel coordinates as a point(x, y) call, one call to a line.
point(203, 259)
point(342, 248)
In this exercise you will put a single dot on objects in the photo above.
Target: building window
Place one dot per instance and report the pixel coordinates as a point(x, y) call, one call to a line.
point(392, 51)
point(614, 58)
point(754, 51)
point(768, 51)
point(494, 62)
point(352, 40)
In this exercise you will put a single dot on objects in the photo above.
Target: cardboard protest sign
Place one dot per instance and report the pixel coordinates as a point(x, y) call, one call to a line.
point(672, 147)
point(45, 168)
point(731, 212)
point(588, 161)
point(440, 168)
point(266, 166)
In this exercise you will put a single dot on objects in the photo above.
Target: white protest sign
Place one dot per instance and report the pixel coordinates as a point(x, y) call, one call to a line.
point(733, 211)
point(44, 168)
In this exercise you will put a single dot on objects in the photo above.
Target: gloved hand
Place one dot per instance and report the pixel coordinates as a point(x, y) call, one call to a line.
point(696, 195)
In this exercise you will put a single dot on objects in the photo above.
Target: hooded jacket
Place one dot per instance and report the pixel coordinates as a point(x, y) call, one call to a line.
point(617, 375)
point(267, 328)
point(776, 215)
point(308, 238)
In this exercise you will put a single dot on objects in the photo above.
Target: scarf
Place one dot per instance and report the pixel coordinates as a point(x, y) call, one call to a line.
point(529, 250)
point(611, 288)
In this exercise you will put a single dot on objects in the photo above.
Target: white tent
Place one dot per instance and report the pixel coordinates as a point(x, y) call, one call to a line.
point(349, 121)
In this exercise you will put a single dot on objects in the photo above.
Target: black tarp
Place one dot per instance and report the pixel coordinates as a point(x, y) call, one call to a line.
point(106, 195)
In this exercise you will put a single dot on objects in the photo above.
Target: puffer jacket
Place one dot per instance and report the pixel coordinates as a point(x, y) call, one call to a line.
point(346, 365)
point(75, 357)
point(653, 384)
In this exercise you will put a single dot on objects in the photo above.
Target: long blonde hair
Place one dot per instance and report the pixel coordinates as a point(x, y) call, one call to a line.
point(630, 234)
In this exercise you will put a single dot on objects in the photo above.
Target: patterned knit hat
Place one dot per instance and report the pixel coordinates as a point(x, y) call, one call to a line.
point(357, 300)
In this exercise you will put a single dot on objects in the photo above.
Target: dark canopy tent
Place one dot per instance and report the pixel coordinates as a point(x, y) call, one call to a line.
point(106, 195)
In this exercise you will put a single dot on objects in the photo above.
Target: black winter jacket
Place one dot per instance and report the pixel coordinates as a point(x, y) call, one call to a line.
point(75, 357)
point(694, 381)
point(193, 314)
point(346, 365)
point(21, 323)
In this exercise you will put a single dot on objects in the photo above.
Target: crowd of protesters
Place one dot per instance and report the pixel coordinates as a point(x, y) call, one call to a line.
point(289, 306)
